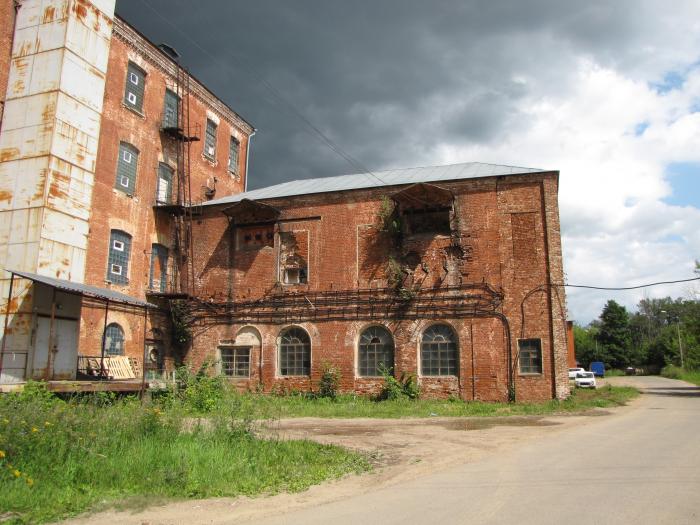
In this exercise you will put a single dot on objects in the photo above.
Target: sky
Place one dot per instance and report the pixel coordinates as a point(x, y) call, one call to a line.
point(607, 92)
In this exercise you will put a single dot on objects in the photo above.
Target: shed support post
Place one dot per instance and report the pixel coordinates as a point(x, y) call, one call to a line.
point(104, 341)
point(7, 318)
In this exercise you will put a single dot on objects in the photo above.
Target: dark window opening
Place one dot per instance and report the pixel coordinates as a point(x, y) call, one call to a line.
point(427, 220)
point(530, 356)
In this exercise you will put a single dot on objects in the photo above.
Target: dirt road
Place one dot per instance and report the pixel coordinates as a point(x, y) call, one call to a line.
point(640, 465)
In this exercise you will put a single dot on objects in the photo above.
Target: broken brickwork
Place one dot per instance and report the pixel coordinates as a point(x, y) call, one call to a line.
point(476, 256)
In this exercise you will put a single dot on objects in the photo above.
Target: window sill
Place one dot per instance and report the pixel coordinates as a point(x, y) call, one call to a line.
point(211, 160)
point(448, 376)
point(134, 111)
point(530, 374)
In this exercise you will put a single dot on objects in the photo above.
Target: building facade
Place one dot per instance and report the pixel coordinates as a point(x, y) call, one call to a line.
point(446, 273)
point(106, 146)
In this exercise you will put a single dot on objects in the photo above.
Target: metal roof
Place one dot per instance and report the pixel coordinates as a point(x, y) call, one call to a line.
point(84, 289)
point(467, 170)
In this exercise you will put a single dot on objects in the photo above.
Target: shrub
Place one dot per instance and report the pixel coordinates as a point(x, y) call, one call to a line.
point(404, 387)
point(672, 372)
point(330, 382)
point(203, 391)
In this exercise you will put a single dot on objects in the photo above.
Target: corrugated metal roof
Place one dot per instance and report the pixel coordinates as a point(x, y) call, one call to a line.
point(84, 289)
point(468, 170)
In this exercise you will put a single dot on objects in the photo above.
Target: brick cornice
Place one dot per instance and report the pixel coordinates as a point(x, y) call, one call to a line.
point(145, 48)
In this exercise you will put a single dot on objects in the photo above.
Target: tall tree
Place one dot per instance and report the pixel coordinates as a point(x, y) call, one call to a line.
point(615, 335)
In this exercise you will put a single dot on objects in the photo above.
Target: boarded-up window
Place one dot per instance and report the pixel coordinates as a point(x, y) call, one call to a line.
point(159, 268)
point(134, 89)
point(523, 226)
point(170, 109)
point(164, 189)
point(255, 237)
point(372, 252)
point(118, 260)
point(210, 140)
point(127, 164)
point(234, 146)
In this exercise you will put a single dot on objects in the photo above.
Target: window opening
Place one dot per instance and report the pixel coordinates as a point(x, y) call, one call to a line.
point(210, 140)
point(119, 251)
point(165, 184)
point(171, 103)
point(126, 168)
point(233, 155)
point(159, 268)
point(295, 353)
point(134, 89)
point(235, 362)
point(439, 351)
point(530, 356)
point(114, 340)
point(375, 352)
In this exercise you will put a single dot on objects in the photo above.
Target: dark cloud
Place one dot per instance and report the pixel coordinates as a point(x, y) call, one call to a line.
point(387, 80)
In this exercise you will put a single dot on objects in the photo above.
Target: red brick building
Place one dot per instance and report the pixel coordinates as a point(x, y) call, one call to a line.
point(441, 272)
point(107, 144)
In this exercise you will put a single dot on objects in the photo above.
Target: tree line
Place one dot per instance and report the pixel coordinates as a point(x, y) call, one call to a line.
point(660, 332)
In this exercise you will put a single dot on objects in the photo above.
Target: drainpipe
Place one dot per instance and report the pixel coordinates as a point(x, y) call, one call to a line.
point(247, 158)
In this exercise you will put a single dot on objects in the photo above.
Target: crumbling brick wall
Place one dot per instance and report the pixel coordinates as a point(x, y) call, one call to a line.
point(501, 236)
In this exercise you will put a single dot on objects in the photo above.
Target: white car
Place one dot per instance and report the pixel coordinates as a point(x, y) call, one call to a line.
point(574, 371)
point(585, 379)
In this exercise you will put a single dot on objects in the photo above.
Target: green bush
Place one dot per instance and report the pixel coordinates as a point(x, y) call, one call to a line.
point(329, 383)
point(406, 387)
point(203, 391)
point(672, 372)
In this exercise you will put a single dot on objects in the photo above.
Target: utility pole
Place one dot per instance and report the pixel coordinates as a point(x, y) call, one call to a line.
point(680, 344)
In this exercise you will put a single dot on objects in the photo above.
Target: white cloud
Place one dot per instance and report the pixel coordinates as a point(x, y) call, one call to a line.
point(617, 231)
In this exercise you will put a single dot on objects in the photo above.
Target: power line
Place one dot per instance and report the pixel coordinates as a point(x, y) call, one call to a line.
point(626, 287)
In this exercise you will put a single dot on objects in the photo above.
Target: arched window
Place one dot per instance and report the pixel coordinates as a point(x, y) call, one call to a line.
point(375, 351)
point(439, 351)
point(119, 253)
point(295, 353)
point(127, 164)
point(114, 339)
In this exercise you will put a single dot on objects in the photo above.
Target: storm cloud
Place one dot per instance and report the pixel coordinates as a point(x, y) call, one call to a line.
point(603, 91)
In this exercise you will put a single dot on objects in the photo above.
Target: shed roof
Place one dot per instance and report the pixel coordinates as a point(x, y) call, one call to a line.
point(84, 289)
point(467, 170)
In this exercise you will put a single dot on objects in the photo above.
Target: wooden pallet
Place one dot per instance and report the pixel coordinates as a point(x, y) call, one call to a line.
point(119, 367)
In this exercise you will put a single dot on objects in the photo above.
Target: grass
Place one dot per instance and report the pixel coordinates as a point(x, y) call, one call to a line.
point(345, 406)
point(62, 458)
point(676, 372)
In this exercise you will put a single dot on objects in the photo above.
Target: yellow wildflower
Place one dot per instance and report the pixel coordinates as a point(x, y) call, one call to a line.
point(2, 454)
point(17, 473)
point(47, 423)
point(34, 429)
point(30, 481)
